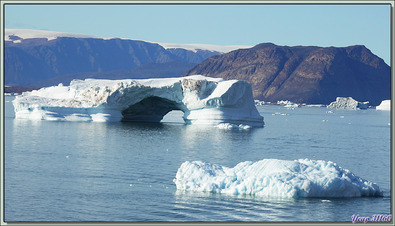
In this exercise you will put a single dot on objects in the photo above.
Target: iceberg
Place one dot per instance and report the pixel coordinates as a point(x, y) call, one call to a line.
point(288, 104)
point(275, 178)
point(259, 102)
point(203, 100)
point(348, 103)
point(385, 105)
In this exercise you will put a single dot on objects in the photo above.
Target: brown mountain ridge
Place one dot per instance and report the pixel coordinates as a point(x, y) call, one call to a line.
point(304, 74)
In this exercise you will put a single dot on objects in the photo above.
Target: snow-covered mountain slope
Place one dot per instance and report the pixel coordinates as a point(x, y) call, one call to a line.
point(16, 35)
point(19, 34)
point(34, 57)
point(196, 47)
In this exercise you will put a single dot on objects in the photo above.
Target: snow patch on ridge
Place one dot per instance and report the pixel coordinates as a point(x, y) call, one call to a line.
point(196, 47)
point(275, 178)
point(16, 35)
point(28, 34)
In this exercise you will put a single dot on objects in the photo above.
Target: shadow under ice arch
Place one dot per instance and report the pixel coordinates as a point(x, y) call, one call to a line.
point(203, 100)
point(150, 109)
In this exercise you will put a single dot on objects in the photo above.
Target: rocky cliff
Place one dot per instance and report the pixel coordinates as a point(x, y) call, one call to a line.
point(304, 74)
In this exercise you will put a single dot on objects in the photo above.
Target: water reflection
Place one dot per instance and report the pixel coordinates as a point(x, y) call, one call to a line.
point(222, 207)
point(219, 207)
point(191, 142)
point(189, 136)
point(24, 128)
point(194, 134)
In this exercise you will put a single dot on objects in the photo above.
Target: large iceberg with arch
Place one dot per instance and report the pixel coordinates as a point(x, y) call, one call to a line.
point(203, 100)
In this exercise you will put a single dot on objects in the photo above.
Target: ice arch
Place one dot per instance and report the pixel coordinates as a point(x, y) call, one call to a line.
point(150, 109)
point(203, 100)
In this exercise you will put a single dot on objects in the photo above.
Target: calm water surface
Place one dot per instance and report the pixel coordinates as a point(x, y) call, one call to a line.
point(85, 171)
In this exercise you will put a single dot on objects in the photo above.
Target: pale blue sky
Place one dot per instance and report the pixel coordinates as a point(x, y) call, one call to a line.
point(320, 25)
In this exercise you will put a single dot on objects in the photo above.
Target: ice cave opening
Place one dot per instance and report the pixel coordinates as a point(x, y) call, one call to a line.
point(150, 109)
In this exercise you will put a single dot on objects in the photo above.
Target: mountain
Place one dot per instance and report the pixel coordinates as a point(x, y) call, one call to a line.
point(153, 70)
point(34, 57)
point(304, 74)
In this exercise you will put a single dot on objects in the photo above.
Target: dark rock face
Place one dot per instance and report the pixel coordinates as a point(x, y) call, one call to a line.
point(304, 74)
point(35, 60)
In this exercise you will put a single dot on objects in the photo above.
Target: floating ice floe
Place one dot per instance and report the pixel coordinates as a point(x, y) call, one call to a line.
point(385, 105)
point(259, 103)
point(275, 178)
point(279, 113)
point(230, 126)
point(203, 100)
point(316, 105)
point(288, 104)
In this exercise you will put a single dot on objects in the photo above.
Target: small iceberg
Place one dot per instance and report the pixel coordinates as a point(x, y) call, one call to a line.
point(275, 178)
point(230, 126)
point(316, 105)
point(288, 104)
point(384, 106)
point(260, 103)
point(348, 103)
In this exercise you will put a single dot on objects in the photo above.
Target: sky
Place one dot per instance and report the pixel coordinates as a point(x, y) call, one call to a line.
point(291, 25)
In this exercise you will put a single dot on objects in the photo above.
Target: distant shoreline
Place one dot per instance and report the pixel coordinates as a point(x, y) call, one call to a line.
point(18, 89)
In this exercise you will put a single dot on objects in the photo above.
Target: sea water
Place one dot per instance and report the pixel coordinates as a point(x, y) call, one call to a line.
point(90, 171)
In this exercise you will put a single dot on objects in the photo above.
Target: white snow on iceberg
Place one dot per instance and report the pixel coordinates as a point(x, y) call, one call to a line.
point(385, 105)
point(275, 178)
point(203, 100)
